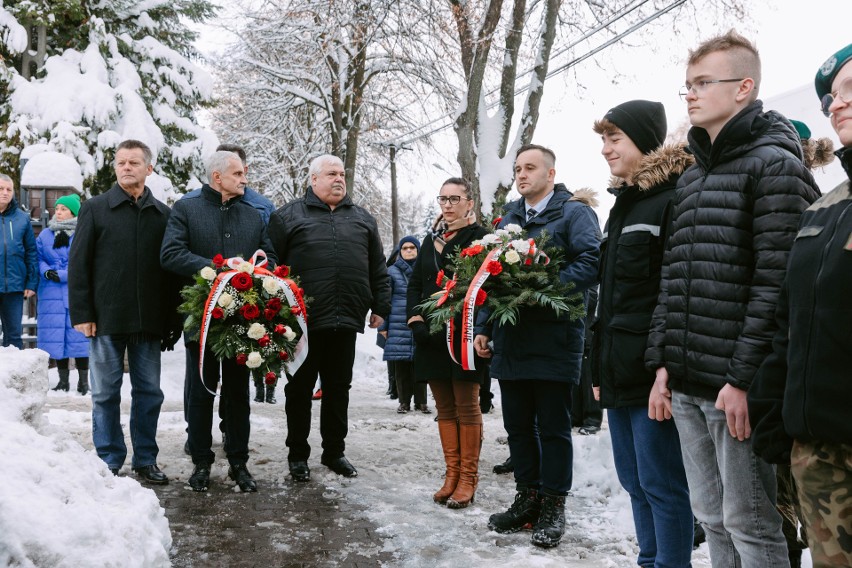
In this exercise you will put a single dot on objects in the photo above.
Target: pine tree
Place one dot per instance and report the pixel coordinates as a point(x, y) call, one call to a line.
point(114, 69)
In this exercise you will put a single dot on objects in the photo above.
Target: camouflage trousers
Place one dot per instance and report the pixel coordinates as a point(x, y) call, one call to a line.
point(787, 503)
point(823, 475)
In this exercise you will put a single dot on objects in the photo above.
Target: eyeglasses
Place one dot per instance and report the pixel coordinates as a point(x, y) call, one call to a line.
point(699, 86)
point(409, 247)
point(452, 199)
point(844, 93)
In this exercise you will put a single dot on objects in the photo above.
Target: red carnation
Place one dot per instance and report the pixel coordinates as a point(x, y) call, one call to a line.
point(281, 271)
point(528, 262)
point(481, 296)
point(241, 358)
point(283, 355)
point(495, 268)
point(270, 377)
point(273, 304)
point(264, 341)
point(295, 310)
point(496, 222)
point(218, 313)
point(280, 329)
point(218, 261)
point(472, 251)
point(439, 278)
point(242, 281)
point(250, 311)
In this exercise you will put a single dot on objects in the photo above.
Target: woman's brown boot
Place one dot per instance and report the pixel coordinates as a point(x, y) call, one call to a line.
point(449, 432)
point(470, 437)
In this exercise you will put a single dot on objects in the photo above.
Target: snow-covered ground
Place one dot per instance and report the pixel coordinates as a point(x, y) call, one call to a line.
point(58, 501)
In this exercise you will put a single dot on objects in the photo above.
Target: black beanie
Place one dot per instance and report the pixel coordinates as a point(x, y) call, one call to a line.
point(644, 122)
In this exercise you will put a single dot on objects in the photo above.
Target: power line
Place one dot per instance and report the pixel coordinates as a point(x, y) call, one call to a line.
point(561, 68)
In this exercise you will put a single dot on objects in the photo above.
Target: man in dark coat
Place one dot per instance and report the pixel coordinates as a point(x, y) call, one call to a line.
point(646, 452)
point(801, 395)
point(333, 245)
point(216, 221)
point(18, 263)
point(120, 297)
point(734, 218)
point(538, 360)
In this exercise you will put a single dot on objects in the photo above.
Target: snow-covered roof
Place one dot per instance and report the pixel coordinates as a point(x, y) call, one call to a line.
point(52, 169)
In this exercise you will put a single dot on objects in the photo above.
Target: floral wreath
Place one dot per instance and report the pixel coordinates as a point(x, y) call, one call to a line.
point(247, 313)
point(501, 272)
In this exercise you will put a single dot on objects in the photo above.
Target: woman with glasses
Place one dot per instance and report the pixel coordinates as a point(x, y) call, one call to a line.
point(456, 391)
point(399, 342)
point(800, 399)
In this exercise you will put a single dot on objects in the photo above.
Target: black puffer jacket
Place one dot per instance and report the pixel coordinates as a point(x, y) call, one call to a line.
point(338, 255)
point(631, 259)
point(734, 218)
point(802, 390)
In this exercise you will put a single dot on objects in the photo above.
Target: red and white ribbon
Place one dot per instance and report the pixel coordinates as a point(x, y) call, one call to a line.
point(291, 293)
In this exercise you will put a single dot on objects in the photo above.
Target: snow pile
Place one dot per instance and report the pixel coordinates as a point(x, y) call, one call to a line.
point(52, 169)
point(59, 504)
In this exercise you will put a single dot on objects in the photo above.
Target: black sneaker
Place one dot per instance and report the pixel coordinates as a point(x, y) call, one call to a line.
point(200, 478)
point(523, 513)
point(240, 473)
point(340, 466)
point(299, 471)
point(550, 527)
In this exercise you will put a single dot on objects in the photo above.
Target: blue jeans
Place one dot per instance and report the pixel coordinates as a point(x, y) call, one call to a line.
point(731, 489)
point(106, 364)
point(537, 417)
point(650, 468)
point(11, 312)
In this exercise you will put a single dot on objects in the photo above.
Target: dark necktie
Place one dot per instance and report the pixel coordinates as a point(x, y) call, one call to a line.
point(531, 213)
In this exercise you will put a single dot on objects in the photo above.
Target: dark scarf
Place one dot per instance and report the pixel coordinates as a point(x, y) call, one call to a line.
point(62, 231)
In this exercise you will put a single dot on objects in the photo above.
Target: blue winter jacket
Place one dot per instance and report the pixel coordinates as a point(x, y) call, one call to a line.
point(400, 342)
point(541, 345)
point(56, 335)
point(18, 257)
point(253, 198)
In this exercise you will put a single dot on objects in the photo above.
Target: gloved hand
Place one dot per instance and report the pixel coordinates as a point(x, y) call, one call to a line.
point(52, 275)
point(171, 335)
point(420, 331)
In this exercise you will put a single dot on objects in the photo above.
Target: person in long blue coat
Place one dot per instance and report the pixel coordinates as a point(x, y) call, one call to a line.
point(56, 335)
point(399, 344)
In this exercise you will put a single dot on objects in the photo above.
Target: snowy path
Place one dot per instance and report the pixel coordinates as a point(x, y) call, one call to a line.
point(400, 466)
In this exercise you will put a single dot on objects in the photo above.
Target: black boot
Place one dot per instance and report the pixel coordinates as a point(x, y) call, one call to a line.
point(525, 510)
point(795, 558)
point(505, 467)
point(200, 478)
point(270, 394)
point(550, 527)
point(62, 385)
point(259, 387)
point(83, 381)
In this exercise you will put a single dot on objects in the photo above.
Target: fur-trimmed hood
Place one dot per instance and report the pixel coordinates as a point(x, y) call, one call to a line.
point(587, 196)
point(656, 167)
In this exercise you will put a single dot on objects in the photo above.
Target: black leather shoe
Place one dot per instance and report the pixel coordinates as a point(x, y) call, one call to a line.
point(300, 471)
point(505, 467)
point(200, 478)
point(151, 474)
point(340, 466)
point(186, 449)
point(240, 473)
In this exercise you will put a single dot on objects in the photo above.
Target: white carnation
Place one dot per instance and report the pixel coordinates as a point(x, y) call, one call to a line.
point(254, 360)
point(256, 331)
point(520, 245)
point(225, 300)
point(271, 286)
point(502, 233)
point(289, 334)
point(512, 257)
point(476, 242)
point(513, 228)
point(208, 273)
point(246, 267)
point(490, 239)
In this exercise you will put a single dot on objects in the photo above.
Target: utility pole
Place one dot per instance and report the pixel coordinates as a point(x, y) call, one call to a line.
point(394, 147)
